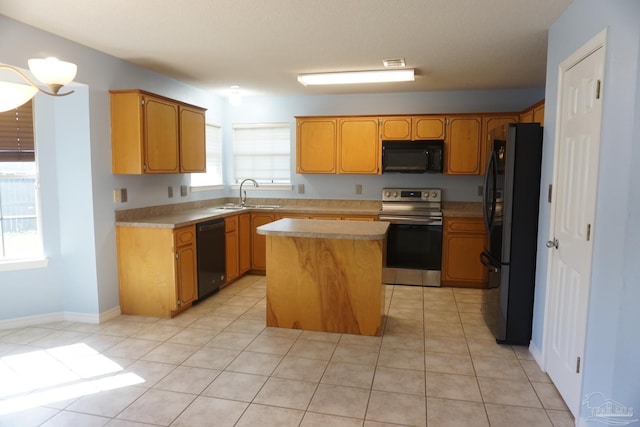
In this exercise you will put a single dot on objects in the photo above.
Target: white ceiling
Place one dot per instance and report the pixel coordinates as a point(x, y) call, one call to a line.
point(261, 45)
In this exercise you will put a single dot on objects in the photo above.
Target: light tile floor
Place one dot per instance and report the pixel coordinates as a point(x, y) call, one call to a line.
point(217, 364)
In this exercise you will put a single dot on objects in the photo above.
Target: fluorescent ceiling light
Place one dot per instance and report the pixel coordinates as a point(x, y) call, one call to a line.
point(356, 77)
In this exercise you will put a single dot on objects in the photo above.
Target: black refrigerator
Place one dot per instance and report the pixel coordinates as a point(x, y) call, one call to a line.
point(510, 205)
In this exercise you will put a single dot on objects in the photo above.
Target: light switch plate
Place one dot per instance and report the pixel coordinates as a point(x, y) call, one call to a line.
point(300, 188)
point(184, 190)
point(170, 191)
point(358, 188)
point(123, 195)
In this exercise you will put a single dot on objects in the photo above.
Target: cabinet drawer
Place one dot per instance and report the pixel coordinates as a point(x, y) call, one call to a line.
point(464, 225)
point(231, 223)
point(185, 235)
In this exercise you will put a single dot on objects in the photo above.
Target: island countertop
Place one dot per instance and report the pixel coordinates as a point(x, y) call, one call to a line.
point(326, 229)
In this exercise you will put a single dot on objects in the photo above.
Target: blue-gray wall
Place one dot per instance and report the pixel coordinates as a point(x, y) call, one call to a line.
point(613, 341)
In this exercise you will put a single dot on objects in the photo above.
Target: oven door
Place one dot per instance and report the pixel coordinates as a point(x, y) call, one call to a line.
point(414, 243)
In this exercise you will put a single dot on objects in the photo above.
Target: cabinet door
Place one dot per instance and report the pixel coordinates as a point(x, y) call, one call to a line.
point(463, 242)
point(244, 242)
point(489, 123)
point(161, 136)
point(231, 248)
point(316, 145)
point(186, 277)
point(258, 241)
point(538, 114)
point(359, 145)
point(395, 128)
point(192, 140)
point(463, 145)
point(428, 127)
point(526, 117)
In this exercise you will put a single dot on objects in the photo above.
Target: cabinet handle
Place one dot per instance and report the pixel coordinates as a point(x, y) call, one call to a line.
point(177, 255)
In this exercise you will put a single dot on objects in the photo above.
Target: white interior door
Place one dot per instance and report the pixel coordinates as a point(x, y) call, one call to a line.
point(573, 229)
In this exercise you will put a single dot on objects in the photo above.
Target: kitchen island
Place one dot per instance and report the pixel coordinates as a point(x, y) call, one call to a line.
point(325, 275)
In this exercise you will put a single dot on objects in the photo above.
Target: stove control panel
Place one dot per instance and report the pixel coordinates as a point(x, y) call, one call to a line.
point(411, 195)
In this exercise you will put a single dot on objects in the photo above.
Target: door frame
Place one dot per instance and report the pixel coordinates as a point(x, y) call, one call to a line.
point(597, 42)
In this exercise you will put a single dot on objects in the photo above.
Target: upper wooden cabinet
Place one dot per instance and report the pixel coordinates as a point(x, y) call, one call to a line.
point(463, 145)
point(395, 128)
point(359, 145)
point(349, 145)
point(489, 123)
point(533, 114)
point(428, 127)
point(316, 145)
point(154, 134)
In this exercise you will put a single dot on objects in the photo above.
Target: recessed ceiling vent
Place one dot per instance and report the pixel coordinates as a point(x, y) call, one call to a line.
point(394, 63)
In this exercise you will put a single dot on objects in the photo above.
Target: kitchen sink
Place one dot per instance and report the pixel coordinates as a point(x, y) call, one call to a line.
point(227, 208)
point(269, 207)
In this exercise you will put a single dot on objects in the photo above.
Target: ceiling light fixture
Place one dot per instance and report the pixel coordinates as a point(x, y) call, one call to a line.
point(357, 77)
point(234, 97)
point(50, 71)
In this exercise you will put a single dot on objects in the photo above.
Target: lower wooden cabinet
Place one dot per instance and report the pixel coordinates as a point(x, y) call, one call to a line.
point(156, 270)
point(462, 243)
point(232, 246)
point(244, 241)
point(258, 241)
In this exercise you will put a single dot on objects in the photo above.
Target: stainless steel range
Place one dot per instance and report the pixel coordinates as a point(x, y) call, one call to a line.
point(414, 240)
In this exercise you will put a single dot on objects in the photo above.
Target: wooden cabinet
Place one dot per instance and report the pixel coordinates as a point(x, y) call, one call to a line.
point(244, 242)
point(462, 243)
point(156, 270)
point(489, 123)
point(258, 241)
point(232, 247)
point(316, 145)
point(533, 114)
point(152, 134)
point(359, 150)
point(193, 140)
point(463, 145)
point(395, 128)
point(349, 145)
point(428, 127)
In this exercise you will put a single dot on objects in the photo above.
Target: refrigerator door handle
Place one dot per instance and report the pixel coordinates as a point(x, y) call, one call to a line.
point(491, 170)
point(488, 262)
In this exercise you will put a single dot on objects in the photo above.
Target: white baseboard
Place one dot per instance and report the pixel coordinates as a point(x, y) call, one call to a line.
point(537, 355)
point(39, 319)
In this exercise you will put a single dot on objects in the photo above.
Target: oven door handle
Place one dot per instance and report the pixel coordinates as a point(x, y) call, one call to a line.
point(410, 220)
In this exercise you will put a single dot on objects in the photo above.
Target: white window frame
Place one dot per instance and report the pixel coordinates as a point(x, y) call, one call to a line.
point(213, 178)
point(265, 183)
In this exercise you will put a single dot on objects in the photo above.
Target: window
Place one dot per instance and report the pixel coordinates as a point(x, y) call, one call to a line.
point(262, 152)
point(19, 237)
point(213, 176)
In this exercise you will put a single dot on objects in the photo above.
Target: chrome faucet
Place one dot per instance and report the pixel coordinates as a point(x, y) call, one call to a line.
point(243, 195)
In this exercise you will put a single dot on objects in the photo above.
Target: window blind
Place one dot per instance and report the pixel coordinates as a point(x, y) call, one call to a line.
point(262, 152)
point(16, 134)
point(213, 176)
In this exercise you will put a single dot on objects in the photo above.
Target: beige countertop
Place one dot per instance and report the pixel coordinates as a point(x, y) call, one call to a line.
point(326, 229)
point(462, 210)
point(172, 217)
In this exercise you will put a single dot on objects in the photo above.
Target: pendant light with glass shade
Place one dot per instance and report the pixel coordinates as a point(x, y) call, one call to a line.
point(49, 71)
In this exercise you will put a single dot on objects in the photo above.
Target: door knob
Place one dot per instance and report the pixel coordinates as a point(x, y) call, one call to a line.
point(553, 243)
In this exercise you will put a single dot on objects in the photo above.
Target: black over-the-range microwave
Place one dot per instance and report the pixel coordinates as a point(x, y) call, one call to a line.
point(412, 156)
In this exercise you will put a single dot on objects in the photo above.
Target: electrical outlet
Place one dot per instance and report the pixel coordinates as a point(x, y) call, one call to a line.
point(300, 188)
point(358, 188)
point(184, 190)
point(480, 190)
point(170, 191)
point(123, 195)
point(116, 196)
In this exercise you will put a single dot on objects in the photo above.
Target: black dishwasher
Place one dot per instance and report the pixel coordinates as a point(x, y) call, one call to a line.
point(210, 245)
